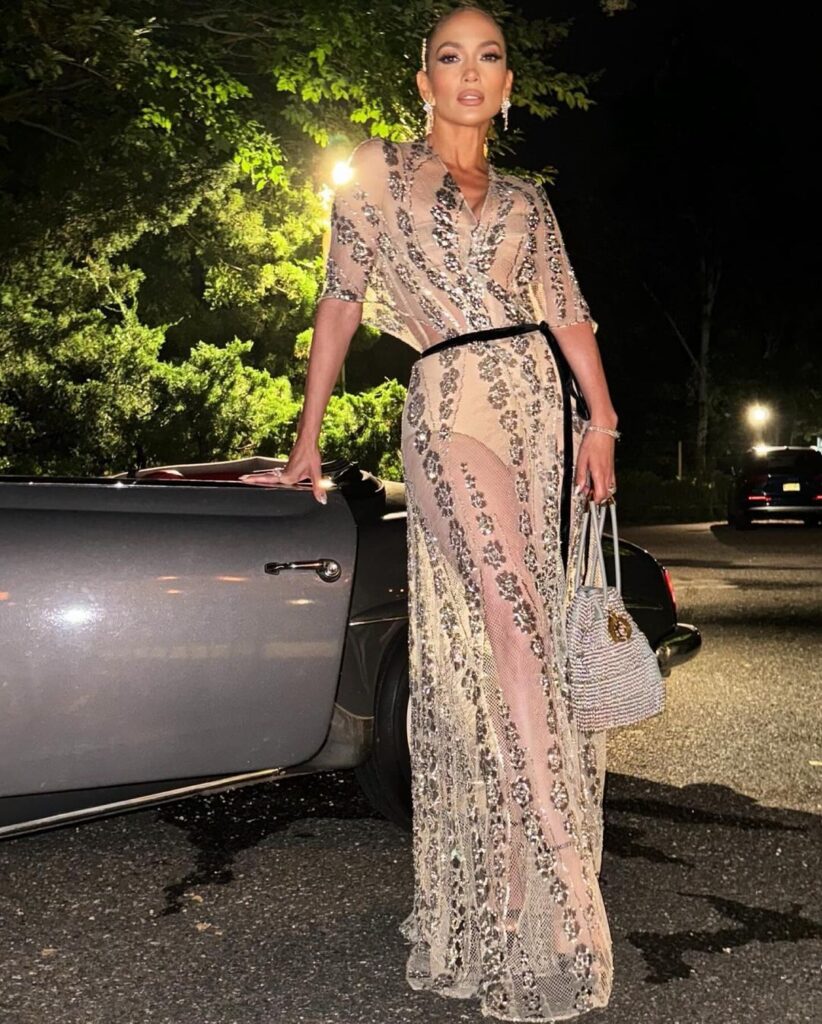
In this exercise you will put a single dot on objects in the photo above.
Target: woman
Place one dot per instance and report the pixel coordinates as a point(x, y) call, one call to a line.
point(432, 243)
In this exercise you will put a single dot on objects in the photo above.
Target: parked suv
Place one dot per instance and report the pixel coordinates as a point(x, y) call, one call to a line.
point(776, 483)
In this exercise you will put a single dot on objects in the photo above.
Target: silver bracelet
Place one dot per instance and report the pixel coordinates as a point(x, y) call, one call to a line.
point(604, 430)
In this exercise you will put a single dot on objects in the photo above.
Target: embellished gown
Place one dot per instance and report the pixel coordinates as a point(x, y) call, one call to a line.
point(507, 790)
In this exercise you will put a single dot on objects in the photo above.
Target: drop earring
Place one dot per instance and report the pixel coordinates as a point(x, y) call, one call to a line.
point(428, 106)
point(506, 106)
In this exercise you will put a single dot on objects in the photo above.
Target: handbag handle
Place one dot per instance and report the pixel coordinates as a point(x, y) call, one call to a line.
point(597, 524)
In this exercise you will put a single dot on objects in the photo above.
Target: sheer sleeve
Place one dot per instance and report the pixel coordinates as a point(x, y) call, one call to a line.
point(559, 292)
point(355, 224)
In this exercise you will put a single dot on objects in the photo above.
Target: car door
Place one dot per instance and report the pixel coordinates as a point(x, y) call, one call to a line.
point(141, 637)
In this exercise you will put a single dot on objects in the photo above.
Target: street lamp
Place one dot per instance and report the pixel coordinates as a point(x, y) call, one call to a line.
point(758, 415)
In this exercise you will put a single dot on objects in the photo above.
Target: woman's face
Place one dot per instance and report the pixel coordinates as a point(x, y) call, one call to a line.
point(468, 76)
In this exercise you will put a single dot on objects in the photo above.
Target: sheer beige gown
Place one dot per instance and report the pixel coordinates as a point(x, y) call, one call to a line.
point(507, 791)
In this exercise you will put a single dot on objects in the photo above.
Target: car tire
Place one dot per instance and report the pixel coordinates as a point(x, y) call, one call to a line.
point(385, 777)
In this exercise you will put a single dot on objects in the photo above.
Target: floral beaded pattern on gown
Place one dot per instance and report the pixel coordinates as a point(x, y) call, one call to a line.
point(507, 790)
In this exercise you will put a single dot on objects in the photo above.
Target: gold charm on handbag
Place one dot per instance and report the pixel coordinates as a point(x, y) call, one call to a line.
point(619, 627)
point(614, 678)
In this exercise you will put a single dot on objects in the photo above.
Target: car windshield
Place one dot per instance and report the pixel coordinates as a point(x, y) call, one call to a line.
point(806, 461)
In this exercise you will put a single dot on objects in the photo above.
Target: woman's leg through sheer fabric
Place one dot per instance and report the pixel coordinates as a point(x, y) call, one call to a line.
point(507, 791)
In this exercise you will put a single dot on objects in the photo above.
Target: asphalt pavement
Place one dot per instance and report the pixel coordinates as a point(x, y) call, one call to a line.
point(280, 902)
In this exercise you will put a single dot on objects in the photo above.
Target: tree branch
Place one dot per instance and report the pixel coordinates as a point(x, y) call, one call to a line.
point(13, 97)
point(676, 329)
point(49, 131)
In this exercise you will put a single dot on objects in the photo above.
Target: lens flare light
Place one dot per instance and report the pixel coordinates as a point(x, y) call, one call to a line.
point(341, 173)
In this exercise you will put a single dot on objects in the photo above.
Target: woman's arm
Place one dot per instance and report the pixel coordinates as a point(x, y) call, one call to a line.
point(569, 318)
point(595, 462)
point(335, 322)
point(355, 220)
point(579, 346)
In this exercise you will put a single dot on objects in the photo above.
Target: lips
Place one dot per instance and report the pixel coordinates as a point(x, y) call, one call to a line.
point(470, 96)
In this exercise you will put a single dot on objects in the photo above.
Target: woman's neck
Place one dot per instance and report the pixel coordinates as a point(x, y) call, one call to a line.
point(462, 147)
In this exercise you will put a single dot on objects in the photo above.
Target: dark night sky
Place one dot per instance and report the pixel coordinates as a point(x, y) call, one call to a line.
point(737, 85)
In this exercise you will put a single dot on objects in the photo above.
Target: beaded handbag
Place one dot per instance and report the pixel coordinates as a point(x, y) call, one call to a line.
point(613, 673)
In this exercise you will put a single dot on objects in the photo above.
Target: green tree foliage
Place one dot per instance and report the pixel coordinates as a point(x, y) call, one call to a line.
point(161, 173)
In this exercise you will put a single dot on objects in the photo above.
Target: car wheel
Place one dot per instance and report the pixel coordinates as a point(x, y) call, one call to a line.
point(385, 777)
point(739, 521)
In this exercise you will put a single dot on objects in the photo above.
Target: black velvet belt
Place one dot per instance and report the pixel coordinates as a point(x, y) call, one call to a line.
point(570, 389)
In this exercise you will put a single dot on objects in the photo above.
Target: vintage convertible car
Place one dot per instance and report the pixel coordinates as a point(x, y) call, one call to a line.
point(180, 631)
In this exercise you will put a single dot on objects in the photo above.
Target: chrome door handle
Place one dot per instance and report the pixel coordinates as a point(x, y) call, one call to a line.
point(327, 569)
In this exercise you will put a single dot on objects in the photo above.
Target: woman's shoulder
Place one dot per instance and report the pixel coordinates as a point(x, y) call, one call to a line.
point(376, 151)
point(371, 155)
point(371, 162)
point(376, 159)
point(521, 180)
point(401, 152)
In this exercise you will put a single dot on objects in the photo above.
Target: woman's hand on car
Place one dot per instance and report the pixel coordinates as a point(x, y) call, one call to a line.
point(303, 465)
point(304, 462)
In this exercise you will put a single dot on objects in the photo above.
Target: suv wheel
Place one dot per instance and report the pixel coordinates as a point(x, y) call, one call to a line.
point(739, 521)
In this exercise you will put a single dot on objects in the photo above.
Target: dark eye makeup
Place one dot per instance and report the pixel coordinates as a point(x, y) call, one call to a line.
point(445, 57)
